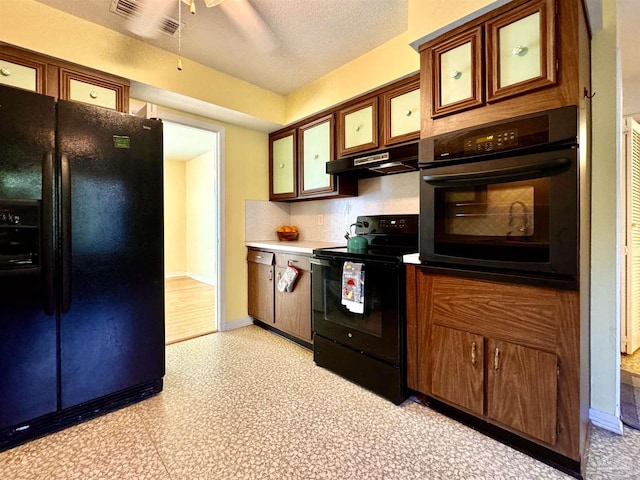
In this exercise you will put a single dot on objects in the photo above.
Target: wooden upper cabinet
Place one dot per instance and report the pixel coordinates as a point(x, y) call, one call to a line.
point(401, 113)
point(505, 53)
point(521, 51)
point(457, 74)
point(98, 91)
point(358, 127)
point(316, 149)
point(22, 72)
point(283, 168)
point(60, 79)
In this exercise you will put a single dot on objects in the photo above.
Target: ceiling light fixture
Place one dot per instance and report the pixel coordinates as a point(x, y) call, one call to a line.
point(192, 9)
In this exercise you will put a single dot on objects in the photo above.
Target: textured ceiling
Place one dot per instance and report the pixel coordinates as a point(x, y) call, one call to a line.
point(313, 37)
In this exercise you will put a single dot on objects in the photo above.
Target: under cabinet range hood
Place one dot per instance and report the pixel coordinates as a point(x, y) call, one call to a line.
point(400, 159)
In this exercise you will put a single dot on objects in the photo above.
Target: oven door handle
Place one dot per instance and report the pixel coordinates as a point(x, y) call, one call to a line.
point(317, 261)
point(531, 169)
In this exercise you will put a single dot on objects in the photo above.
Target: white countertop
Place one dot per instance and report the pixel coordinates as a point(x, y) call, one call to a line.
point(296, 246)
point(412, 258)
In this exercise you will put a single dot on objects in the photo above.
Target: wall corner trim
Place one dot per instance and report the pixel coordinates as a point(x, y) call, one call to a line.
point(233, 324)
point(605, 420)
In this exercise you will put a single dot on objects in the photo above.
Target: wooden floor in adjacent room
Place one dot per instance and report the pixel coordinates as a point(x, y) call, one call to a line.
point(189, 309)
point(631, 363)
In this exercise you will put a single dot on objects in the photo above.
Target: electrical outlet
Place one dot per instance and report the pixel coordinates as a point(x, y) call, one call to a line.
point(321, 219)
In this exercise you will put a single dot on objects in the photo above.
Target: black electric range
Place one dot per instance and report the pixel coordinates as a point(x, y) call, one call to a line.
point(364, 341)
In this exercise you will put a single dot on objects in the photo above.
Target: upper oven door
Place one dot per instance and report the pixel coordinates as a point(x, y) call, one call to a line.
point(377, 330)
point(515, 213)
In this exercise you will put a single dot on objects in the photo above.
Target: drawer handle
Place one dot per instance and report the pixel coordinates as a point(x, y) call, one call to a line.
point(5, 72)
point(496, 360)
point(408, 113)
point(258, 256)
point(474, 350)
point(93, 94)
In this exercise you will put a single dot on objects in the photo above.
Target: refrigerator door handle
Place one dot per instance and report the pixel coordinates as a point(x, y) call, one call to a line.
point(65, 205)
point(47, 234)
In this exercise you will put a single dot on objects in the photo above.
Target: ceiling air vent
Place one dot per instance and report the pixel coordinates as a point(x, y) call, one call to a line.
point(131, 8)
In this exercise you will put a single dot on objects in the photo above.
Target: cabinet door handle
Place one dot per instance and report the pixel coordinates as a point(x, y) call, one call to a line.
point(474, 351)
point(496, 359)
point(270, 275)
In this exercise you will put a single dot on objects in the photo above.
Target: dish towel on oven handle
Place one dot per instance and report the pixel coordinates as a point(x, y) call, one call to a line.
point(353, 286)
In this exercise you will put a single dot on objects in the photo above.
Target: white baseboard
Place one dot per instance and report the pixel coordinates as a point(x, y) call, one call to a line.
point(232, 325)
point(606, 421)
point(208, 281)
point(174, 274)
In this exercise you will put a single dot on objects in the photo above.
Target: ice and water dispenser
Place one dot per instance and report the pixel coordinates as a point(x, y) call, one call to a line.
point(19, 234)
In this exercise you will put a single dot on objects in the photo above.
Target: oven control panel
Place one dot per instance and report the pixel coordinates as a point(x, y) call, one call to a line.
point(492, 141)
point(536, 130)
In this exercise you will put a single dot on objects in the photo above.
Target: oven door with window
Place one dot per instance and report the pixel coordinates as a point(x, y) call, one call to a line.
point(375, 332)
point(506, 214)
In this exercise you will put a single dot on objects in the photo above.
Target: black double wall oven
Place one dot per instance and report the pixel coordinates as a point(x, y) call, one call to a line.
point(502, 198)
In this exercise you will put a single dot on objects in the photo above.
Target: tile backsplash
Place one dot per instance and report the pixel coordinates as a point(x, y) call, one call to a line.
point(393, 194)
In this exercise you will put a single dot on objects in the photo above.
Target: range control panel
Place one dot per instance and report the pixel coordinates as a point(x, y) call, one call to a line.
point(387, 225)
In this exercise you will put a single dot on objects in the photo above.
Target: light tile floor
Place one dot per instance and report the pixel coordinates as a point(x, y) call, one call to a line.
point(247, 404)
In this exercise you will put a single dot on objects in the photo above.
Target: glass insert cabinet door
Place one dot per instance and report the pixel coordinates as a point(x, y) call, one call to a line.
point(282, 165)
point(358, 127)
point(15, 75)
point(521, 50)
point(316, 149)
point(457, 73)
point(401, 113)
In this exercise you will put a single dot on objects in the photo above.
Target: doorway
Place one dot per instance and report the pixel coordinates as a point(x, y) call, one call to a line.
point(630, 328)
point(193, 212)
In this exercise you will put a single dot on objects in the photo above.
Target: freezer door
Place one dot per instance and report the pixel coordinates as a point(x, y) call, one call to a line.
point(112, 307)
point(28, 378)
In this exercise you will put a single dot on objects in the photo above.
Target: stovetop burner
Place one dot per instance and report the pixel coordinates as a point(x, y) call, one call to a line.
point(389, 237)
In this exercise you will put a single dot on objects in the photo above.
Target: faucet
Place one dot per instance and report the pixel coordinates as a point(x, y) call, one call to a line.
point(525, 222)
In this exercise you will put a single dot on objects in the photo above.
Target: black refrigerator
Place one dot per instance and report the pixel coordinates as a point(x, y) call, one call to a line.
point(81, 262)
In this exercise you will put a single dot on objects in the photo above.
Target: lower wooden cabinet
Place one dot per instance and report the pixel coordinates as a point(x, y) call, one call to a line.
point(260, 285)
point(506, 353)
point(520, 387)
point(293, 309)
point(287, 311)
point(458, 368)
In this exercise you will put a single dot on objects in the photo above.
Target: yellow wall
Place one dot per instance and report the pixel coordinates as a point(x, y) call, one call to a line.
point(247, 173)
point(426, 17)
point(175, 261)
point(201, 222)
point(605, 236)
point(390, 61)
point(35, 26)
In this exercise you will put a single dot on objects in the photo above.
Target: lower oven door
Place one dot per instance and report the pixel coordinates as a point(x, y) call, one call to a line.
point(516, 214)
point(375, 332)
